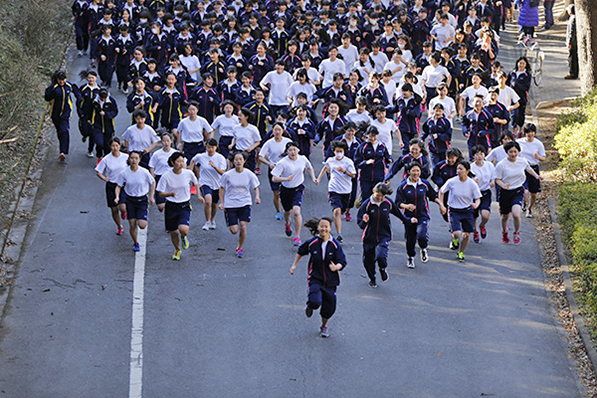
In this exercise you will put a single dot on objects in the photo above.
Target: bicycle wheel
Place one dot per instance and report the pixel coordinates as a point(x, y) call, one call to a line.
point(538, 69)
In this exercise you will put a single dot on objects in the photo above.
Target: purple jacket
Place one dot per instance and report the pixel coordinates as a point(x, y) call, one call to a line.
point(529, 17)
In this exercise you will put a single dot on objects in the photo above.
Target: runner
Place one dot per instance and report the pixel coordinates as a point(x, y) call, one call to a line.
point(237, 184)
point(226, 124)
point(246, 137)
point(323, 276)
point(371, 159)
point(533, 151)
point(137, 184)
point(107, 170)
point(192, 132)
point(158, 166)
point(484, 177)
point(175, 186)
point(289, 171)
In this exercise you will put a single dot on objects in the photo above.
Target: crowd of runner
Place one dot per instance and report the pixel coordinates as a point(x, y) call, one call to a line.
point(220, 92)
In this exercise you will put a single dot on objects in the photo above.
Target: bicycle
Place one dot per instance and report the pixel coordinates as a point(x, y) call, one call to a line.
point(535, 57)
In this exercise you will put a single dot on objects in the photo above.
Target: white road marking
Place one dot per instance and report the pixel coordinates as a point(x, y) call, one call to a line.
point(136, 364)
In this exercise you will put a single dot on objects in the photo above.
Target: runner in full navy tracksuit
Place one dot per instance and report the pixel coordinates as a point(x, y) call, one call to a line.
point(106, 56)
point(326, 259)
point(412, 196)
point(374, 218)
point(302, 130)
point(477, 125)
point(439, 129)
point(409, 106)
point(417, 154)
point(500, 114)
point(104, 111)
point(79, 9)
point(85, 108)
point(371, 159)
point(61, 106)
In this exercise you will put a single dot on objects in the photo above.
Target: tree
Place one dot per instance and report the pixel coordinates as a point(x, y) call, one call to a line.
point(586, 33)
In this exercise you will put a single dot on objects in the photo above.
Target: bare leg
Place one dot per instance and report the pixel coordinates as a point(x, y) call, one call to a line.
point(532, 200)
point(116, 216)
point(338, 220)
point(324, 321)
point(214, 209)
point(175, 238)
point(243, 234)
point(277, 200)
point(208, 207)
point(505, 218)
point(484, 218)
point(464, 241)
point(516, 210)
point(298, 220)
point(133, 229)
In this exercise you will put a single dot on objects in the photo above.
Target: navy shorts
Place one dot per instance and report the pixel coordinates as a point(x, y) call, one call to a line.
point(158, 198)
point(275, 186)
point(485, 202)
point(339, 200)
point(509, 198)
point(462, 219)
point(190, 149)
point(291, 197)
point(235, 214)
point(532, 184)
point(215, 193)
point(136, 207)
point(177, 214)
point(111, 195)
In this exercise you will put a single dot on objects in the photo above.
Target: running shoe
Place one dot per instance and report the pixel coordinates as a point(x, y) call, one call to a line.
point(288, 229)
point(454, 244)
point(373, 285)
point(257, 171)
point(123, 215)
point(119, 231)
point(323, 331)
point(89, 154)
point(308, 311)
point(339, 238)
point(461, 257)
point(476, 237)
point(79, 53)
point(483, 232)
point(524, 206)
point(278, 215)
point(424, 255)
point(505, 238)
point(410, 262)
point(516, 238)
point(384, 274)
point(62, 157)
point(212, 225)
point(136, 247)
point(239, 253)
point(206, 226)
point(176, 255)
point(297, 241)
point(185, 243)
point(348, 216)
point(193, 190)
point(529, 213)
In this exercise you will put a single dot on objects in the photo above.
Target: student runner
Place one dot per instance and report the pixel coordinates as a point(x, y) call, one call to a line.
point(107, 170)
point(484, 176)
point(158, 166)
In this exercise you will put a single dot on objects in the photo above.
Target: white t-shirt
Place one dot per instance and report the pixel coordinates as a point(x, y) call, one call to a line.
point(485, 174)
point(159, 161)
point(279, 85)
point(498, 154)
point(396, 76)
point(295, 168)
point(340, 182)
point(191, 62)
point(507, 97)
point(355, 117)
point(136, 183)
point(192, 131)
point(462, 194)
point(237, 187)
point(442, 33)
point(512, 172)
point(381, 59)
point(349, 55)
point(327, 68)
point(180, 184)
point(434, 76)
point(207, 174)
point(448, 104)
point(111, 167)
point(296, 88)
point(528, 150)
point(246, 137)
point(140, 139)
point(386, 132)
point(226, 125)
point(471, 92)
point(273, 150)
point(390, 88)
point(311, 73)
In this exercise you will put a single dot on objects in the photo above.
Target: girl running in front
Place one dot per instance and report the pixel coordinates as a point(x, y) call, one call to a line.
point(158, 166)
point(290, 172)
point(175, 185)
point(484, 176)
point(412, 196)
point(137, 183)
point(342, 171)
point(270, 154)
point(374, 218)
point(226, 124)
point(326, 259)
point(108, 169)
point(510, 177)
point(465, 196)
point(246, 137)
point(237, 184)
point(210, 166)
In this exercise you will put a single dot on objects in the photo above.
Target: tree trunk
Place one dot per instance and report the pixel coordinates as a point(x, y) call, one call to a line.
point(586, 33)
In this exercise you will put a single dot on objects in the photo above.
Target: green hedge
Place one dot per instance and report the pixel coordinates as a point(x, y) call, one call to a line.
point(576, 142)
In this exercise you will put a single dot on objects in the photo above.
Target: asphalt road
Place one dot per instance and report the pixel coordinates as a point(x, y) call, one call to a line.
point(215, 325)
